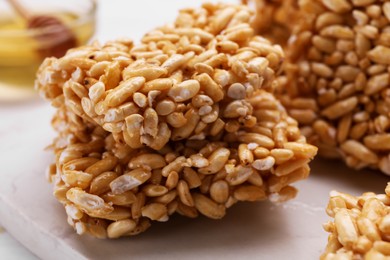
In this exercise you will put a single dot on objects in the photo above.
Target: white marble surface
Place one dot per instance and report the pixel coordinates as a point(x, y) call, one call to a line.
point(11, 249)
point(249, 231)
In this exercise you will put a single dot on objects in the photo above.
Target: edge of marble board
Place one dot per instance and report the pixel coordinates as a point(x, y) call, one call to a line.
point(40, 242)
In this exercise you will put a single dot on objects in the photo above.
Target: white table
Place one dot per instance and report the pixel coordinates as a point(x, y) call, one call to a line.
point(291, 230)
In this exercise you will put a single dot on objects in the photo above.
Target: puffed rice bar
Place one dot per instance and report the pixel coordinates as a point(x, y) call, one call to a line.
point(361, 226)
point(337, 83)
point(131, 149)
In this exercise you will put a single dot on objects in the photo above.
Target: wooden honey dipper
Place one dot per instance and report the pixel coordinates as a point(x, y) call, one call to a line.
point(54, 41)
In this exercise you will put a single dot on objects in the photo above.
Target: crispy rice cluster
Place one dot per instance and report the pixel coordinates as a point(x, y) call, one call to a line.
point(361, 226)
point(336, 81)
point(183, 122)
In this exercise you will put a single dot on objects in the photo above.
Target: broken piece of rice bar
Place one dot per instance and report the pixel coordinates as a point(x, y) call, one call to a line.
point(361, 226)
point(111, 190)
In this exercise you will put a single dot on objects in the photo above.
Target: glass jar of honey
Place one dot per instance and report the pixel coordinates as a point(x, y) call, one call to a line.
point(23, 48)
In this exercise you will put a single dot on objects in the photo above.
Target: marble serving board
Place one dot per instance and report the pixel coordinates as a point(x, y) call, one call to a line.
point(29, 212)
